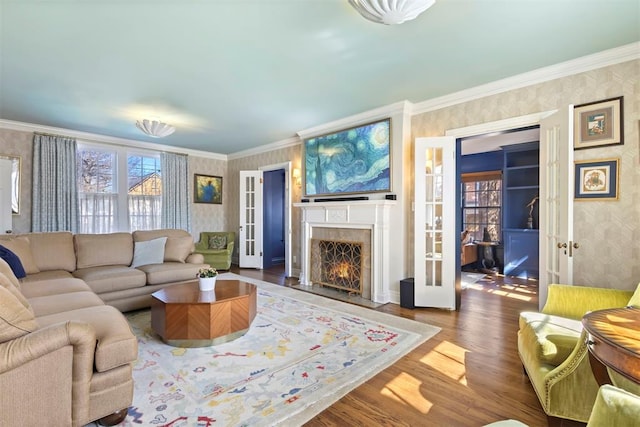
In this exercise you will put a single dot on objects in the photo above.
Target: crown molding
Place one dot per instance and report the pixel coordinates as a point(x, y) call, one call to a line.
point(104, 139)
point(278, 145)
point(602, 59)
point(402, 107)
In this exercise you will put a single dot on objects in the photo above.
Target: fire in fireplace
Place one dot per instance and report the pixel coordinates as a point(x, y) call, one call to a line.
point(340, 265)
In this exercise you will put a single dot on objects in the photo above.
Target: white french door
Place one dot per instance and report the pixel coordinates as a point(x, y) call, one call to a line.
point(557, 245)
point(250, 233)
point(435, 222)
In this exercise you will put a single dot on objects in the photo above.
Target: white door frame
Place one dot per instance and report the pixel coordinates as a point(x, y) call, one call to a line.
point(287, 211)
point(503, 125)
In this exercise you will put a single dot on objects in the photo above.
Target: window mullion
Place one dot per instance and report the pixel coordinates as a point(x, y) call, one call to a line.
point(122, 219)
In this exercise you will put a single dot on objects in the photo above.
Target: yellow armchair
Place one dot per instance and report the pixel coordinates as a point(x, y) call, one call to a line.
point(615, 407)
point(217, 248)
point(552, 348)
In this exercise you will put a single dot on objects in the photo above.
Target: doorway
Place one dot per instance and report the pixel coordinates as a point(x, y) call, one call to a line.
point(490, 216)
point(280, 190)
point(274, 218)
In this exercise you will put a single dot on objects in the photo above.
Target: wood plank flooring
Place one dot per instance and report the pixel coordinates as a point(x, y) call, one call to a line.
point(467, 375)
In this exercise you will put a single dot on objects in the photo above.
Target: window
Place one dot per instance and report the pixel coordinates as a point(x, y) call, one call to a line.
point(117, 190)
point(145, 192)
point(97, 190)
point(481, 204)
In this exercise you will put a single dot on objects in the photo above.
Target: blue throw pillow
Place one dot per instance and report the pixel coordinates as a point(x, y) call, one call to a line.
point(13, 261)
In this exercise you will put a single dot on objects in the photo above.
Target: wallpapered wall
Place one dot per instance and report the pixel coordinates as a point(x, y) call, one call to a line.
point(17, 143)
point(608, 232)
point(205, 216)
point(282, 155)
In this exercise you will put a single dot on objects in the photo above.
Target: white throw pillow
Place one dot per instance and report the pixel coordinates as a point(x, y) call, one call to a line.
point(149, 252)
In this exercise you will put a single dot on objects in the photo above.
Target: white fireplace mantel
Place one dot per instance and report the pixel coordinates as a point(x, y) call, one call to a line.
point(360, 214)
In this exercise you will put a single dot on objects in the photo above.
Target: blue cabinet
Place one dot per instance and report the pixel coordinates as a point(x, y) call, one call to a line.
point(521, 253)
point(521, 185)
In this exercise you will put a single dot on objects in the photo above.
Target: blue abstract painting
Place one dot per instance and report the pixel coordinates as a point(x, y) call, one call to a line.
point(350, 161)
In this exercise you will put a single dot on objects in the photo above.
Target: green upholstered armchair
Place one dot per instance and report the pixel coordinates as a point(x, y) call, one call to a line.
point(554, 353)
point(615, 407)
point(217, 248)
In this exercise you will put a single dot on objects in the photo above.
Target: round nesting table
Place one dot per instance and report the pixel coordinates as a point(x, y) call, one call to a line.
point(614, 342)
point(184, 316)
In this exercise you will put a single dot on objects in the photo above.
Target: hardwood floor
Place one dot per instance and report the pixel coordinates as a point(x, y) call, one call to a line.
point(469, 374)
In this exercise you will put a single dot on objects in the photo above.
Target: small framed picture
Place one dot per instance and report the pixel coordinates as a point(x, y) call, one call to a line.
point(597, 179)
point(598, 124)
point(207, 189)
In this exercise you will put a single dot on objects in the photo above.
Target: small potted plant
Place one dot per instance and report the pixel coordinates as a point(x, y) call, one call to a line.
point(207, 278)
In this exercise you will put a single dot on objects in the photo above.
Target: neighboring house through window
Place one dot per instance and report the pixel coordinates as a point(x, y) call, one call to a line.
point(118, 190)
point(481, 204)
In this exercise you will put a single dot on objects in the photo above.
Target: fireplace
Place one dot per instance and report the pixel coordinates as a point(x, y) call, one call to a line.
point(342, 264)
point(363, 222)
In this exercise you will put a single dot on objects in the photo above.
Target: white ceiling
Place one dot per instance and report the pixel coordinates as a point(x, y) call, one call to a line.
point(232, 75)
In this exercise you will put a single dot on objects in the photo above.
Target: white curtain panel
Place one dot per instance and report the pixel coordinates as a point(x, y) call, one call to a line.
point(55, 193)
point(175, 191)
point(144, 212)
point(98, 212)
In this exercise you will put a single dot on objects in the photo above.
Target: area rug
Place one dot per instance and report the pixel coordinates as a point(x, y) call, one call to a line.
point(470, 278)
point(301, 354)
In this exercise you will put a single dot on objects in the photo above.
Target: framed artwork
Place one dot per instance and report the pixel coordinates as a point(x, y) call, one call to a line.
point(597, 179)
point(207, 189)
point(598, 124)
point(350, 161)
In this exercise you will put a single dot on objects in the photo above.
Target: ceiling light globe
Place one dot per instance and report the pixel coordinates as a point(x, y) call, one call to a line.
point(391, 12)
point(155, 128)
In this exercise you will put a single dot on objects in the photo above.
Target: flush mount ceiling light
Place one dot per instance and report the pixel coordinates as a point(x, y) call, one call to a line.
point(155, 128)
point(391, 12)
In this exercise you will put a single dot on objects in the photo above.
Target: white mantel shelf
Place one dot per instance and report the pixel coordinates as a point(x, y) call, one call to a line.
point(373, 215)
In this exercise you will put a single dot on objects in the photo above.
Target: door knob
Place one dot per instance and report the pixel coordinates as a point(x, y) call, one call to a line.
point(562, 245)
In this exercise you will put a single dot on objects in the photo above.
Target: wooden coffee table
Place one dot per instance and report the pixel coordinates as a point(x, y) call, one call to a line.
point(185, 317)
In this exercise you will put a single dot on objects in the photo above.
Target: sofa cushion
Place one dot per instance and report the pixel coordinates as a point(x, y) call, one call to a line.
point(149, 252)
point(59, 243)
point(47, 275)
point(51, 304)
point(168, 272)
point(174, 250)
point(178, 249)
point(116, 344)
point(218, 242)
point(7, 271)
point(553, 337)
point(15, 319)
point(6, 284)
point(53, 286)
point(22, 248)
point(111, 278)
point(13, 262)
point(95, 250)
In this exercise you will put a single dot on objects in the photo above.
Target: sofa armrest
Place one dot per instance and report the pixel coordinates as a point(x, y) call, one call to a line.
point(575, 301)
point(195, 258)
point(46, 349)
point(29, 347)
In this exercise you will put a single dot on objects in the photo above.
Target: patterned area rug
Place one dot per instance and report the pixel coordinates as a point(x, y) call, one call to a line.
point(298, 357)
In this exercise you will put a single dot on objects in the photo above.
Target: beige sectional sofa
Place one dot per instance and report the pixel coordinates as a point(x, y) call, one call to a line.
point(66, 350)
point(103, 261)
